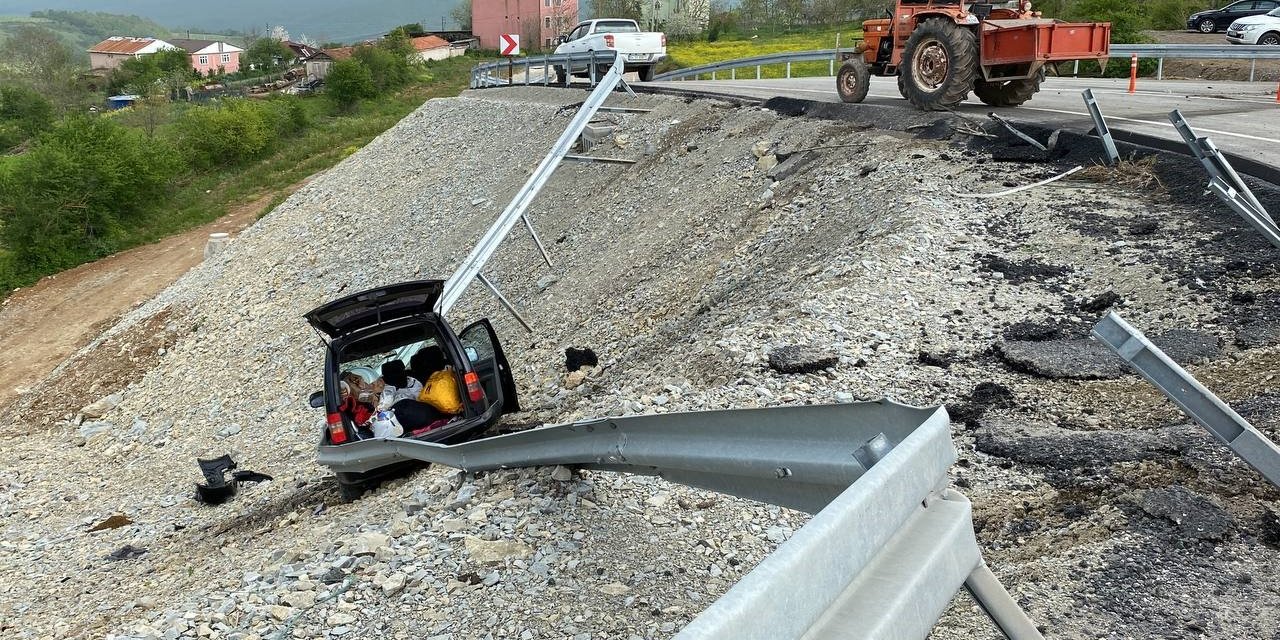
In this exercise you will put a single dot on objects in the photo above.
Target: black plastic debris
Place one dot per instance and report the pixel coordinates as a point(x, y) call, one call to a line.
point(127, 552)
point(575, 358)
point(219, 487)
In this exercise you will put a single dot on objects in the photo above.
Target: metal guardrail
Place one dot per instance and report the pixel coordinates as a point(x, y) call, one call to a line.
point(1157, 51)
point(483, 75)
point(1192, 397)
point(470, 268)
point(886, 551)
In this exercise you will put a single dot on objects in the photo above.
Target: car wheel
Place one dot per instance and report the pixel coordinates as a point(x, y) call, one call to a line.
point(1271, 39)
point(1207, 25)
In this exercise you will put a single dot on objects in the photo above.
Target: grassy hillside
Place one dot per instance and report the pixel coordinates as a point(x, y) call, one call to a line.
point(82, 29)
point(697, 52)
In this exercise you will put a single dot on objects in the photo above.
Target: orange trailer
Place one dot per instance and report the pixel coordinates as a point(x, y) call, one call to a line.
point(941, 50)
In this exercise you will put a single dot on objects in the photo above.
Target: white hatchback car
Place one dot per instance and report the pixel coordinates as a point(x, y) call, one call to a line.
point(1263, 29)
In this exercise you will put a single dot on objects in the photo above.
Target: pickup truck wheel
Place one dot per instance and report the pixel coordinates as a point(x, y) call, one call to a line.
point(853, 81)
point(601, 69)
point(939, 64)
point(562, 78)
point(1270, 39)
point(1007, 93)
point(646, 73)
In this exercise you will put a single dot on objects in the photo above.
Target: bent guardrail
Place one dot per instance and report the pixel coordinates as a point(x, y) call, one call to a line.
point(483, 75)
point(887, 549)
point(1157, 51)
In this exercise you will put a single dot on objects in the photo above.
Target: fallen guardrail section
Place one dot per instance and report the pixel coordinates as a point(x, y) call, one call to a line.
point(888, 546)
point(471, 266)
point(833, 56)
point(1192, 397)
point(1225, 182)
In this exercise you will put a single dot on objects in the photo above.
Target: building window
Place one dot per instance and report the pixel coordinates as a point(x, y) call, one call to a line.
point(546, 3)
point(204, 60)
point(226, 58)
point(547, 43)
point(546, 22)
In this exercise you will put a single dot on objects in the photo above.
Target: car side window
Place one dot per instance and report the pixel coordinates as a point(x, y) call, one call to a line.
point(1265, 5)
point(579, 32)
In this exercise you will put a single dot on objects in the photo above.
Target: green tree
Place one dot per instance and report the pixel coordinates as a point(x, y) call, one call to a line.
point(389, 66)
point(62, 201)
point(267, 52)
point(163, 71)
point(37, 57)
point(349, 82)
point(24, 113)
point(411, 28)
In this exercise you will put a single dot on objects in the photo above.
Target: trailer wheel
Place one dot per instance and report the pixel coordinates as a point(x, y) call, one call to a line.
point(939, 64)
point(1008, 93)
point(853, 81)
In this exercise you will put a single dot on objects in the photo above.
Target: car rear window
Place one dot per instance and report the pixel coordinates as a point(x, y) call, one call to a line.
point(616, 26)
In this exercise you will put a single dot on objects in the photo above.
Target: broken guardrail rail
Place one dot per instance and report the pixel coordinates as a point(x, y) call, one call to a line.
point(886, 551)
point(471, 266)
point(1192, 397)
point(1225, 182)
point(482, 75)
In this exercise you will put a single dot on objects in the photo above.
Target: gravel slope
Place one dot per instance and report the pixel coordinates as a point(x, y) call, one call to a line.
point(683, 272)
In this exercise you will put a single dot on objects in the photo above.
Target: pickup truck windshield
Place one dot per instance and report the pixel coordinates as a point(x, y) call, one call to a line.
point(616, 26)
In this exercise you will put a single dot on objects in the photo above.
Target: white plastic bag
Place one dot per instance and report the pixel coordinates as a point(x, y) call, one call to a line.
point(385, 425)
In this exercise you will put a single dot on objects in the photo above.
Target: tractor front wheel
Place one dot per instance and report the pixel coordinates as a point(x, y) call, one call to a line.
point(939, 64)
point(1008, 93)
point(853, 81)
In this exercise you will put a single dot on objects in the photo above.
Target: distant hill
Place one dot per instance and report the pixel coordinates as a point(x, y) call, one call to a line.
point(320, 20)
point(82, 29)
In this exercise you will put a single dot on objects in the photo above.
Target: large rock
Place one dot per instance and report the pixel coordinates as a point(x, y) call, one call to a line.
point(369, 543)
point(1088, 359)
point(801, 359)
point(101, 407)
point(1067, 449)
point(496, 551)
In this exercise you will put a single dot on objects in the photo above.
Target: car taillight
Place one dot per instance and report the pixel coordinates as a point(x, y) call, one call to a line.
point(664, 39)
point(474, 390)
point(337, 432)
point(608, 40)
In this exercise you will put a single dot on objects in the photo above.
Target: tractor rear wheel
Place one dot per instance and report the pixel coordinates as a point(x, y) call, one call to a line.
point(939, 64)
point(1008, 93)
point(853, 81)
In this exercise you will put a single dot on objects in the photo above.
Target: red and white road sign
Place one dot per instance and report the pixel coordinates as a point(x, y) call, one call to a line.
point(510, 44)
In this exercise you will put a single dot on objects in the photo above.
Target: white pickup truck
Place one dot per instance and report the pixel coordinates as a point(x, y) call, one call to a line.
point(640, 50)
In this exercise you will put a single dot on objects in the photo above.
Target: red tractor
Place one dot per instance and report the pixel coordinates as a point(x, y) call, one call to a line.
point(941, 50)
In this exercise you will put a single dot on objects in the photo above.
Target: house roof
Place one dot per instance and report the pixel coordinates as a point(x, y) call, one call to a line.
point(128, 45)
point(424, 43)
point(302, 50)
point(204, 46)
point(341, 53)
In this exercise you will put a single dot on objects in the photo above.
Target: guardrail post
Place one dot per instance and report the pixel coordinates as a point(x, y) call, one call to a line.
point(831, 67)
point(592, 67)
point(1160, 69)
point(713, 75)
point(1253, 66)
point(758, 73)
point(546, 73)
point(1133, 74)
point(733, 74)
point(788, 69)
point(1075, 73)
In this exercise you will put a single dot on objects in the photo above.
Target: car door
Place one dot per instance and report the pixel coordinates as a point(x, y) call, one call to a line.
point(480, 342)
point(1237, 11)
point(575, 42)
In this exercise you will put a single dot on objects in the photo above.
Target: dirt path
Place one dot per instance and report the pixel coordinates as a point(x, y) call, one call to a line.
point(45, 323)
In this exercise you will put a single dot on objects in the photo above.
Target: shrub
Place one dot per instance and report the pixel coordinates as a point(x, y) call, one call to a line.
point(349, 82)
point(62, 201)
point(232, 132)
point(23, 115)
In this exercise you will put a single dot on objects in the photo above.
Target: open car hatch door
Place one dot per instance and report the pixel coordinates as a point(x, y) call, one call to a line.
point(375, 306)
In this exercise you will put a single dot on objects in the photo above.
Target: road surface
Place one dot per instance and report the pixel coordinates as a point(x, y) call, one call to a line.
point(1241, 117)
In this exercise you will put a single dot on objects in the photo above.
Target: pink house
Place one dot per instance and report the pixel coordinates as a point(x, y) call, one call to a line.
point(538, 22)
point(209, 57)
